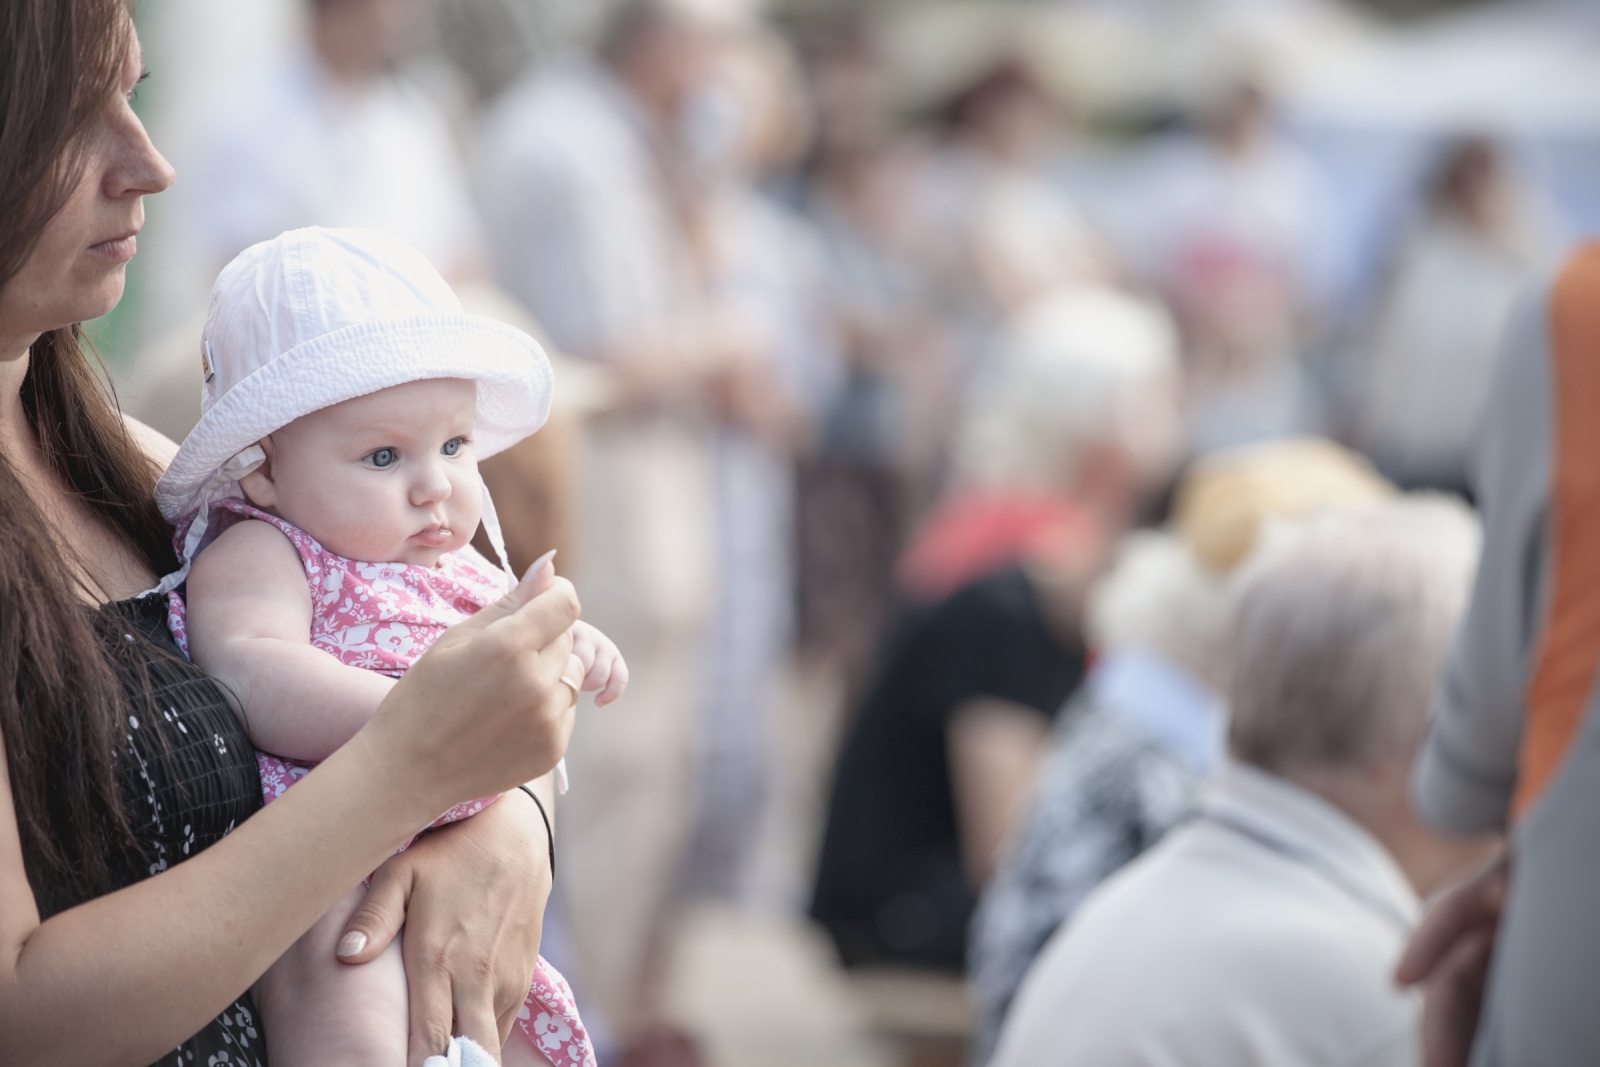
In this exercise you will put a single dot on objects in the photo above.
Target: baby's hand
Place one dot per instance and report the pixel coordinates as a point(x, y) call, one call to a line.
point(603, 665)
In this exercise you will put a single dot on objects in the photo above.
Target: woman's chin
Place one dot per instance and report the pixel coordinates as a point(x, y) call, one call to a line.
point(100, 297)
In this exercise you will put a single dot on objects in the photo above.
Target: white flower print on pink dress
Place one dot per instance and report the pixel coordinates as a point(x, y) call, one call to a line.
point(382, 617)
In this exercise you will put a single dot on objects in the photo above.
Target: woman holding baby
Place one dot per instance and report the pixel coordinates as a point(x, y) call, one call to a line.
point(142, 892)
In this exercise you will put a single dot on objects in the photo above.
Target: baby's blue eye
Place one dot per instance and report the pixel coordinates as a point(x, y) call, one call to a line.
point(452, 446)
point(383, 457)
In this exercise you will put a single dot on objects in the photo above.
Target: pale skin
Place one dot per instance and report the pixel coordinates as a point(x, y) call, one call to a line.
point(389, 477)
point(482, 711)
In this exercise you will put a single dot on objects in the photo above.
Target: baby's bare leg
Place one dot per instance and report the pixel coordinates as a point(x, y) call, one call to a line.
point(319, 1011)
point(519, 1052)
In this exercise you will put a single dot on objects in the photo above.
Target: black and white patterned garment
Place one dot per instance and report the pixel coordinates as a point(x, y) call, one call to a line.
point(1108, 791)
point(189, 777)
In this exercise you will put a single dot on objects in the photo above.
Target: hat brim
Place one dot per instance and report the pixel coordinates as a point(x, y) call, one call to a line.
point(514, 379)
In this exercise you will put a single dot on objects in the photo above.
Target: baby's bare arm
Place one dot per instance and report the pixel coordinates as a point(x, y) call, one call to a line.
point(250, 628)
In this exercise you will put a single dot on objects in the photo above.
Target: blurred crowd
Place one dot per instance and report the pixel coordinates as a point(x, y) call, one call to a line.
point(1076, 452)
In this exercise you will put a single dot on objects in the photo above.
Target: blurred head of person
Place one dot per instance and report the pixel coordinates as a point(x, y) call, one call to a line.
point(1470, 184)
point(1006, 112)
point(662, 50)
point(1073, 425)
point(758, 98)
point(1239, 119)
point(358, 40)
point(1339, 630)
point(1081, 400)
point(1163, 605)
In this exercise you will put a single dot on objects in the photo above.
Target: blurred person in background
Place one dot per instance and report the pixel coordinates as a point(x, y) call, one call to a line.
point(597, 208)
point(1231, 233)
point(1429, 351)
point(940, 758)
point(1509, 959)
point(1147, 728)
point(1016, 235)
point(334, 136)
point(1266, 930)
point(866, 475)
point(765, 266)
point(331, 135)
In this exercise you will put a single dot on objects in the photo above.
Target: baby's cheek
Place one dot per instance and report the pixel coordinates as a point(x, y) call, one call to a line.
point(465, 506)
point(366, 525)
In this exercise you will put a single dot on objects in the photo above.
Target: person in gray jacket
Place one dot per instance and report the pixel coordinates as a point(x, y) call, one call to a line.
point(1515, 743)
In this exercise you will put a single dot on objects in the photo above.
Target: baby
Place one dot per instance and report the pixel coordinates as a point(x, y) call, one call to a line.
point(325, 502)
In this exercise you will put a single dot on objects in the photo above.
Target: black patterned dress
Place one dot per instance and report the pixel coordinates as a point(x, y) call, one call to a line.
point(189, 777)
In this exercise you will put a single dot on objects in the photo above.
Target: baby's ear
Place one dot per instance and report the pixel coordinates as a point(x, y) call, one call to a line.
point(258, 486)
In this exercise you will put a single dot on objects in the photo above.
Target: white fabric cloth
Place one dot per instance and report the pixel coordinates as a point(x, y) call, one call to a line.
point(298, 149)
point(1264, 933)
point(463, 1052)
point(315, 317)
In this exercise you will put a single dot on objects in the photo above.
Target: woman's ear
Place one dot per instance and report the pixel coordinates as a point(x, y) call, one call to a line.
point(259, 487)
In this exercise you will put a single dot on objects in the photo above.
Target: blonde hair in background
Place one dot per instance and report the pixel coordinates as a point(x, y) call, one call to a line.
point(1228, 495)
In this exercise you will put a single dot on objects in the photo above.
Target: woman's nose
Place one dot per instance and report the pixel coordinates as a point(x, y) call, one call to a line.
point(138, 169)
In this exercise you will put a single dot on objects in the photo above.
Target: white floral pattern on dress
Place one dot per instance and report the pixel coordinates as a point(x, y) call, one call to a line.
point(382, 617)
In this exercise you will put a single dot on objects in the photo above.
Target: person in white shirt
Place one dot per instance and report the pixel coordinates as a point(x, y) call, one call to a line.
point(331, 136)
point(1267, 930)
point(596, 218)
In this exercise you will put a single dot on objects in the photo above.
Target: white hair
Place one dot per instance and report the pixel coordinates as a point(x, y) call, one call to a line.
point(1158, 596)
point(1084, 365)
point(1339, 630)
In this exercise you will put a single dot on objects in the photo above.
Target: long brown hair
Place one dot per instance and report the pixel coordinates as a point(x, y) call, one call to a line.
point(62, 707)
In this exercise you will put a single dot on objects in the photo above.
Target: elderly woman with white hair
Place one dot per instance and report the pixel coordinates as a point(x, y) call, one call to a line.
point(1266, 931)
point(1146, 730)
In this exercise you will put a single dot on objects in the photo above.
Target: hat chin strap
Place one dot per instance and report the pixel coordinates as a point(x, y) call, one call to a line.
point(491, 526)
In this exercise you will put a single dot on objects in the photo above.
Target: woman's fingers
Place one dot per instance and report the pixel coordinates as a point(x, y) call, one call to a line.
point(1458, 911)
point(508, 1022)
point(542, 606)
point(432, 1008)
point(378, 918)
point(474, 1011)
point(1454, 1000)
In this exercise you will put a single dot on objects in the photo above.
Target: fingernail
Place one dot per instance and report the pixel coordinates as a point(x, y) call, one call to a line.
point(538, 565)
point(352, 943)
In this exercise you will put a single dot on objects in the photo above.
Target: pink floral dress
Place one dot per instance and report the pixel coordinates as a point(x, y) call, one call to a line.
point(381, 617)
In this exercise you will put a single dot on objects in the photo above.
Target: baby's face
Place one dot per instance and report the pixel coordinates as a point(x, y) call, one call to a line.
point(390, 477)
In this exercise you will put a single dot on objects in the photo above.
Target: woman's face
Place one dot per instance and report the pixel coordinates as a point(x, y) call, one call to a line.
point(76, 271)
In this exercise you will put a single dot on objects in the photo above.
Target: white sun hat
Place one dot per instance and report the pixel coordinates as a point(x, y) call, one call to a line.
point(318, 316)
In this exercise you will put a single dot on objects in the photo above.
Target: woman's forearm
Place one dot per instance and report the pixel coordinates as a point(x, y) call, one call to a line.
point(154, 963)
point(124, 978)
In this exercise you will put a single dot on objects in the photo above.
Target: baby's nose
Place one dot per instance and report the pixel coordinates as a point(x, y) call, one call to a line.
point(431, 488)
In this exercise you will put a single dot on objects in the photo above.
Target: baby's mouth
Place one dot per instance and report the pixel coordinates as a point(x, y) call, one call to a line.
point(432, 536)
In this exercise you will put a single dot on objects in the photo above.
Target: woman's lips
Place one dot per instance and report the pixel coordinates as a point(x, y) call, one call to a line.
point(120, 249)
point(433, 537)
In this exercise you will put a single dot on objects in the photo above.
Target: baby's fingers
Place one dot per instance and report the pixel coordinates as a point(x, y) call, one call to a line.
point(615, 683)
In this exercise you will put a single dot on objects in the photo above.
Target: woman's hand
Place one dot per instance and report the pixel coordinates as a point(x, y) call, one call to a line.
point(483, 709)
point(1449, 957)
point(471, 896)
